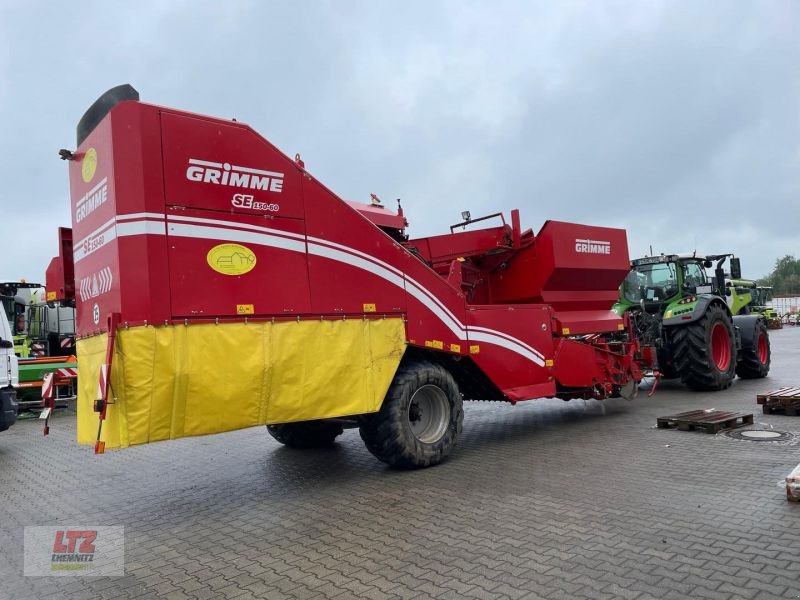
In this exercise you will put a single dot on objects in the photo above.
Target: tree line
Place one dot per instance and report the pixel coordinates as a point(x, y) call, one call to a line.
point(785, 277)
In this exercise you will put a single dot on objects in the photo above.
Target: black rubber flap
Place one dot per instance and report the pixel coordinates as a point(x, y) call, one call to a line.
point(92, 117)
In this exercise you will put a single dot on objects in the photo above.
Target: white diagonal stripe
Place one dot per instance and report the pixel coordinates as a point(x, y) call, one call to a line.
point(197, 227)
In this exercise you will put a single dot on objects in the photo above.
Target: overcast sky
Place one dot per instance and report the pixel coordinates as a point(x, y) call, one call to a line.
point(679, 121)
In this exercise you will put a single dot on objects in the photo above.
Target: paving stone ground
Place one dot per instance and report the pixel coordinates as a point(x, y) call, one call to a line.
point(548, 499)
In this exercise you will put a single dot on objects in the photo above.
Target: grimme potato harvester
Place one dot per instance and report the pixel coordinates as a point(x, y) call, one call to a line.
point(240, 291)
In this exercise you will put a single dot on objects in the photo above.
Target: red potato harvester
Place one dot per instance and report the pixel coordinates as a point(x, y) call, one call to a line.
point(240, 291)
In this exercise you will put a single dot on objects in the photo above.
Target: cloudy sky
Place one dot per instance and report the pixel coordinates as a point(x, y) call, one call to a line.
point(679, 121)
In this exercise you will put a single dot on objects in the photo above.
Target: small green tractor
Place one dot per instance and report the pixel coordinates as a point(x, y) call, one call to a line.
point(698, 325)
point(40, 328)
point(761, 295)
point(16, 297)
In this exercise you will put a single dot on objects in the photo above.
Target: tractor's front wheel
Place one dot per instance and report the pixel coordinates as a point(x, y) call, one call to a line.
point(704, 351)
point(756, 357)
point(420, 419)
point(306, 434)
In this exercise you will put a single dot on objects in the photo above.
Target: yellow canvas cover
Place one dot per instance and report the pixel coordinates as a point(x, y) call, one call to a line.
point(175, 381)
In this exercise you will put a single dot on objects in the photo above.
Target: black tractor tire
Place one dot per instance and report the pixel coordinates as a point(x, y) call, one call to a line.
point(306, 434)
point(755, 359)
point(420, 419)
point(693, 351)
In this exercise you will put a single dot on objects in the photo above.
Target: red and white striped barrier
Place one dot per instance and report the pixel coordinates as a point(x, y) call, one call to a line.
point(48, 401)
point(102, 384)
point(67, 373)
point(67, 342)
point(47, 388)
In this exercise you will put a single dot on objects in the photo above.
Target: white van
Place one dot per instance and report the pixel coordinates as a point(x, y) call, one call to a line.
point(9, 375)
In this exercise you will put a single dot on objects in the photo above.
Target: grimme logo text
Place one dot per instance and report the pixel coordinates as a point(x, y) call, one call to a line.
point(592, 246)
point(234, 176)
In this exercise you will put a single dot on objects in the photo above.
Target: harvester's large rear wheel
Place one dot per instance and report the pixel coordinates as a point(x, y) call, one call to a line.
point(757, 356)
point(306, 434)
point(704, 351)
point(420, 419)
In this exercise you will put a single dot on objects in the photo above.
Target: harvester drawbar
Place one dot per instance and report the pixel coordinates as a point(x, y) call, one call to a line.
point(244, 292)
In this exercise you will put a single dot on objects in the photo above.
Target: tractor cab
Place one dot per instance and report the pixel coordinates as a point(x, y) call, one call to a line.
point(762, 295)
point(654, 282)
point(16, 297)
point(669, 284)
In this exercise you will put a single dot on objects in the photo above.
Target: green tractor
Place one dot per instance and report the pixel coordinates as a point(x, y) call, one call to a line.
point(16, 297)
point(39, 328)
point(696, 324)
point(761, 295)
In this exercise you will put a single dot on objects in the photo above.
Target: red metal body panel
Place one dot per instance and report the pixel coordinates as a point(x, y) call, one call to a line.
point(520, 376)
point(378, 214)
point(440, 249)
point(94, 230)
point(138, 165)
point(580, 267)
point(351, 263)
point(227, 167)
point(201, 218)
point(192, 233)
point(576, 269)
point(60, 274)
point(598, 367)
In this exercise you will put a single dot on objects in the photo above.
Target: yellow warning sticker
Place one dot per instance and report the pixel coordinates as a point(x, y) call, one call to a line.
point(231, 259)
point(455, 347)
point(565, 331)
point(474, 349)
point(369, 308)
point(620, 327)
point(89, 165)
point(548, 362)
point(245, 309)
point(51, 296)
point(438, 344)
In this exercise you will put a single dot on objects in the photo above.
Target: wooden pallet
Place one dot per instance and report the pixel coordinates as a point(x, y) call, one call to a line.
point(709, 421)
point(785, 399)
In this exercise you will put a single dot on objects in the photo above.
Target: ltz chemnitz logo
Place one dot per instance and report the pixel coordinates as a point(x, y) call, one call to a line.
point(73, 548)
point(58, 551)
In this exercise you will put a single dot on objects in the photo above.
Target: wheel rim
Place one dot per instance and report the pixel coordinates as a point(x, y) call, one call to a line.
point(763, 351)
point(429, 414)
point(720, 346)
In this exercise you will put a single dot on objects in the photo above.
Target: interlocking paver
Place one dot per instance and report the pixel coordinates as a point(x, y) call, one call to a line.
point(544, 500)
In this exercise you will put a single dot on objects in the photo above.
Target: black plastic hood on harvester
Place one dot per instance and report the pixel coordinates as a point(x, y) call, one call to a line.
point(101, 107)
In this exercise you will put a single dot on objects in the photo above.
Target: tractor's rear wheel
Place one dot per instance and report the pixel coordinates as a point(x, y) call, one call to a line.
point(704, 351)
point(755, 360)
point(420, 419)
point(306, 434)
